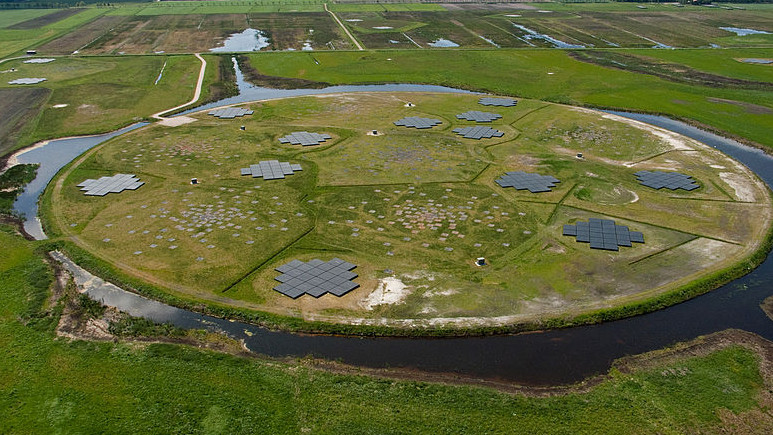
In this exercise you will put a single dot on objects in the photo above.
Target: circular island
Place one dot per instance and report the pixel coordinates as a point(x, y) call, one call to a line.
point(461, 213)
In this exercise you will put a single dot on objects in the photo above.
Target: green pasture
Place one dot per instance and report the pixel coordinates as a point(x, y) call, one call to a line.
point(13, 41)
point(58, 385)
point(418, 205)
point(724, 62)
point(104, 93)
point(205, 7)
point(542, 74)
point(11, 17)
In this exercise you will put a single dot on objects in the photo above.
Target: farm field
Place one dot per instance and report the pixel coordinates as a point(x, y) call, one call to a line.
point(541, 74)
point(55, 384)
point(728, 63)
point(616, 25)
point(14, 17)
point(29, 34)
point(186, 33)
point(90, 95)
point(178, 27)
point(412, 209)
point(17, 108)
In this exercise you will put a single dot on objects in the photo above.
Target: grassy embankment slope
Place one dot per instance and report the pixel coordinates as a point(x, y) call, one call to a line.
point(549, 75)
point(50, 384)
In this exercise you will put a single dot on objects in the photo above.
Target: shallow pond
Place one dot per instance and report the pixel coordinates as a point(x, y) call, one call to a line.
point(744, 32)
point(443, 43)
point(248, 40)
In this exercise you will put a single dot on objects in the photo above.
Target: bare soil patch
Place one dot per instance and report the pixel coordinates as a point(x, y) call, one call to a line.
point(755, 109)
point(85, 36)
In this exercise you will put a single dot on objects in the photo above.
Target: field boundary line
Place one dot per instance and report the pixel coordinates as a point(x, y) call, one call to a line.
point(663, 250)
point(348, 33)
point(528, 113)
point(724, 192)
point(653, 225)
point(269, 259)
point(560, 202)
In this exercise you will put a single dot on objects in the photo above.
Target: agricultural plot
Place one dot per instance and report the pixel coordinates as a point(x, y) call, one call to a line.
point(14, 18)
point(301, 31)
point(185, 33)
point(661, 27)
point(81, 39)
point(38, 20)
point(97, 94)
point(179, 27)
point(29, 34)
point(412, 209)
point(406, 29)
point(205, 8)
point(149, 34)
point(17, 108)
point(497, 27)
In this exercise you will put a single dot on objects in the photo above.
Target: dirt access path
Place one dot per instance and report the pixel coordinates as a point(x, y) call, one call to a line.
point(179, 120)
point(359, 47)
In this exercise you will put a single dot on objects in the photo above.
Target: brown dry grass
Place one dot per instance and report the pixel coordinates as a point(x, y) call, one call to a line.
point(168, 33)
point(18, 106)
point(82, 37)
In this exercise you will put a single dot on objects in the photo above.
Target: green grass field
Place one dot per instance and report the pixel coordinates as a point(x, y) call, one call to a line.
point(104, 93)
point(52, 384)
point(15, 41)
point(11, 17)
point(412, 208)
point(542, 74)
point(722, 62)
point(205, 7)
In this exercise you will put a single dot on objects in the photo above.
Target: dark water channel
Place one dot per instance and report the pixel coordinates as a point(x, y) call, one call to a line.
point(249, 92)
point(52, 157)
point(541, 358)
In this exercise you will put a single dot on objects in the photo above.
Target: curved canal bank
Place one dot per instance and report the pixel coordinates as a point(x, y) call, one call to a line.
point(52, 156)
point(540, 358)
